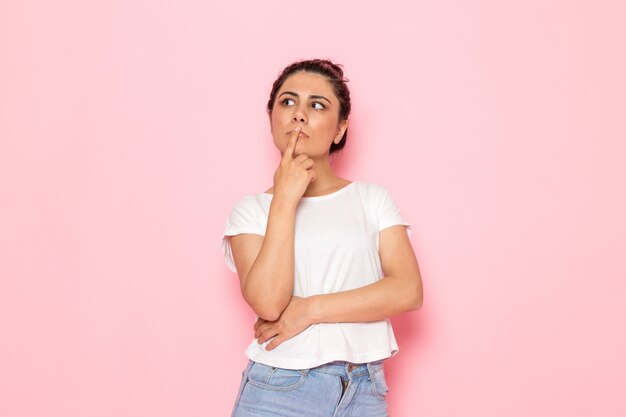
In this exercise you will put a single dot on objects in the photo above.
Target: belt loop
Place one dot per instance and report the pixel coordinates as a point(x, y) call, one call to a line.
point(246, 371)
point(369, 372)
point(304, 371)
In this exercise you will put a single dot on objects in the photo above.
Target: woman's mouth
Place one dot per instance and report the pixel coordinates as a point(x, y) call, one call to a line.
point(301, 134)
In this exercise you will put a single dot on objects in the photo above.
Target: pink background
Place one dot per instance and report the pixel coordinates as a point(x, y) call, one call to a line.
point(128, 130)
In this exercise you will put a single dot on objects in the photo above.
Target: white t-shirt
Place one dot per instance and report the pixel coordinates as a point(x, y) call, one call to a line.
point(336, 242)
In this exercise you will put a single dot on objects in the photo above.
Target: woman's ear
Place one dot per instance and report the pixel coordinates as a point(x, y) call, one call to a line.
point(342, 128)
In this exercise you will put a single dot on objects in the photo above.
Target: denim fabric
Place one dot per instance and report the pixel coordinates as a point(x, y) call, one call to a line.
point(334, 389)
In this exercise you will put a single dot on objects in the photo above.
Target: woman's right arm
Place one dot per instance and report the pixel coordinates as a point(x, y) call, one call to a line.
point(266, 264)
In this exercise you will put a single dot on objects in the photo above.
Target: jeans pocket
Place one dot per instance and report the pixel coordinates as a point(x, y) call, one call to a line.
point(379, 384)
point(274, 378)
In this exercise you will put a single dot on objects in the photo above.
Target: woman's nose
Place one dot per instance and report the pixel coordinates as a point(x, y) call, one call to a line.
point(299, 117)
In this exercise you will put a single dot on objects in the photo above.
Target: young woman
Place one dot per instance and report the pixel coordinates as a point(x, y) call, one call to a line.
point(323, 261)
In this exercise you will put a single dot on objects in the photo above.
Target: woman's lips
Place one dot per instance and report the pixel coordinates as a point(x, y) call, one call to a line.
point(300, 134)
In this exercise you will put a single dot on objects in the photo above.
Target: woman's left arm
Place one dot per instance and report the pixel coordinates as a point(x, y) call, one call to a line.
point(400, 290)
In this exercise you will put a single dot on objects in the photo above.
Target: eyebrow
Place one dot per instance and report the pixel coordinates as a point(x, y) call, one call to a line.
point(311, 96)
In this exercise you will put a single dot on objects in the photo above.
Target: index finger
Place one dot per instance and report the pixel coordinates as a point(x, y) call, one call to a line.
point(288, 154)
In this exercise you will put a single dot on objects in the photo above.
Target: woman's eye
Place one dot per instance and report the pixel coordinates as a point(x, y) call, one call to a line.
point(287, 99)
point(321, 106)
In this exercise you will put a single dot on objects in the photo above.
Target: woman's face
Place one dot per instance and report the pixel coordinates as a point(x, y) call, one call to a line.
point(308, 100)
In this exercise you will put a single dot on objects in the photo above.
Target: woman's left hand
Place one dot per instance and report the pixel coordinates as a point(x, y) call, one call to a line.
point(294, 320)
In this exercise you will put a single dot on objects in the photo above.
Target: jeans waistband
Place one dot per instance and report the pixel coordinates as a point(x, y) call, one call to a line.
point(348, 369)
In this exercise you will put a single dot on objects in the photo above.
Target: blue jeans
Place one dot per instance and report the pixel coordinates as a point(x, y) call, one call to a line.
point(334, 389)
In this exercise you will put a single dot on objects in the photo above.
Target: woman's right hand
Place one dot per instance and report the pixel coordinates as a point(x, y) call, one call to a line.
point(293, 175)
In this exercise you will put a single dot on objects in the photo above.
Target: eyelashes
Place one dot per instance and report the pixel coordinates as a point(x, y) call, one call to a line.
point(322, 107)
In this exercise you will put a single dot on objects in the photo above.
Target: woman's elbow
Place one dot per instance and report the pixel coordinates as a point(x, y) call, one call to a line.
point(267, 308)
point(418, 298)
point(267, 313)
point(419, 303)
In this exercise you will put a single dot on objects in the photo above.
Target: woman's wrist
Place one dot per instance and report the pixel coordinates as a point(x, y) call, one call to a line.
point(313, 309)
point(282, 203)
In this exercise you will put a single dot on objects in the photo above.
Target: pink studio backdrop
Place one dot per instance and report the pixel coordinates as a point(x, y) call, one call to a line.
point(128, 130)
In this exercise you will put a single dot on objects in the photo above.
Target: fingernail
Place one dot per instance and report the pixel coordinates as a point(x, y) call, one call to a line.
point(298, 129)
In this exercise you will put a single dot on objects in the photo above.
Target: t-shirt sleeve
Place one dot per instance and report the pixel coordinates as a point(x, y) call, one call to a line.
point(389, 212)
point(241, 219)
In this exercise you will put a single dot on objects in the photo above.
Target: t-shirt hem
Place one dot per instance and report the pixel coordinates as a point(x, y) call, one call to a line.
point(227, 250)
point(295, 363)
point(238, 230)
point(396, 222)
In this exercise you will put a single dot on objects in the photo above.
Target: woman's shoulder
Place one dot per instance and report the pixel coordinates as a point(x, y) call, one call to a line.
point(374, 193)
point(250, 202)
point(372, 187)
